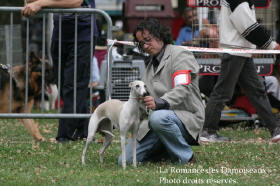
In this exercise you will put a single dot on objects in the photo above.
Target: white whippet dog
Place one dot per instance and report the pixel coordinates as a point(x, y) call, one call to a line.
point(122, 115)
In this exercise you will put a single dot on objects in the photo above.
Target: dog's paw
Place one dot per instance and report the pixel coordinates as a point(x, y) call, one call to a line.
point(101, 159)
point(42, 139)
point(52, 140)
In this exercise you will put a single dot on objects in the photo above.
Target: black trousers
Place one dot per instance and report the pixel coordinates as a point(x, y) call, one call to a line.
point(73, 128)
point(242, 71)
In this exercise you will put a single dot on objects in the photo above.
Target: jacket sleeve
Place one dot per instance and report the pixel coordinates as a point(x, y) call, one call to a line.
point(244, 20)
point(183, 60)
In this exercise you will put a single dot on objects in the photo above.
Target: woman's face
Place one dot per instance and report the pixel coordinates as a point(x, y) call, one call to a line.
point(149, 43)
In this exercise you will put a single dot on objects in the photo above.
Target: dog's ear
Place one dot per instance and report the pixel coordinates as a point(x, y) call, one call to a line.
point(131, 84)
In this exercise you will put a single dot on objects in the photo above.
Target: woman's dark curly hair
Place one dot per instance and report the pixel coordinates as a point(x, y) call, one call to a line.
point(156, 29)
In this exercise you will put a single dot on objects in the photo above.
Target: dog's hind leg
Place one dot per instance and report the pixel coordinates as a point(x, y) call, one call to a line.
point(92, 128)
point(107, 141)
point(89, 140)
point(33, 129)
point(106, 129)
point(91, 133)
point(107, 132)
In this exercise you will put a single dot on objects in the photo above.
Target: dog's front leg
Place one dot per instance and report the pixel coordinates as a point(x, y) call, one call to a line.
point(133, 140)
point(134, 151)
point(30, 124)
point(33, 129)
point(123, 139)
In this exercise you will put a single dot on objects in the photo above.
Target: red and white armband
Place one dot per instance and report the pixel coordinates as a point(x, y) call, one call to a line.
point(181, 77)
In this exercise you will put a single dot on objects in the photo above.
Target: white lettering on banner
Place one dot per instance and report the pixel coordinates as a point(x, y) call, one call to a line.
point(208, 3)
point(210, 68)
point(215, 69)
point(216, 3)
point(259, 68)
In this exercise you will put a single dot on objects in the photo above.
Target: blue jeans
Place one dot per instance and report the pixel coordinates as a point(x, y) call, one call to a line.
point(167, 140)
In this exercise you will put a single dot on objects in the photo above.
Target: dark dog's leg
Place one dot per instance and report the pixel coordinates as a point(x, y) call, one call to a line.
point(33, 129)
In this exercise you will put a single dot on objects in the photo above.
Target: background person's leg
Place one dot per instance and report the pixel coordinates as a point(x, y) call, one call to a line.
point(67, 127)
point(64, 132)
point(83, 78)
point(231, 67)
point(255, 90)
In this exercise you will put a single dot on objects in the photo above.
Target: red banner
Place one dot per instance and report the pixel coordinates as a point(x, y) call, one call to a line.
point(216, 3)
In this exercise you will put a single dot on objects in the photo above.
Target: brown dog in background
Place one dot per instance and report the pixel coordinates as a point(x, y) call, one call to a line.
point(18, 91)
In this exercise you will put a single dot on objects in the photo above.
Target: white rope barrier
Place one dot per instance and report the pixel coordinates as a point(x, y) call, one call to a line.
point(111, 42)
point(209, 50)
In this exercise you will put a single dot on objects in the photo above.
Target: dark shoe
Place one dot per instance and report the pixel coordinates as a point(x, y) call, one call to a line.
point(275, 135)
point(62, 140)
point(207, 137)
point(80, 135)
point(192, 160)
point(82, 139)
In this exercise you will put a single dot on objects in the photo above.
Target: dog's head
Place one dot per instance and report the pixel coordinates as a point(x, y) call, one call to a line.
point(36, 73)
point(138, 88)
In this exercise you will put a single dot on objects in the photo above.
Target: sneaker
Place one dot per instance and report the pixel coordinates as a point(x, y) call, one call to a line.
point(207, 137)
point(276, 135)
point(63, 140)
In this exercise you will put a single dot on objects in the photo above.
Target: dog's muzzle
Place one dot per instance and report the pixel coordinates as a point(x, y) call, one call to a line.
point(146, 94)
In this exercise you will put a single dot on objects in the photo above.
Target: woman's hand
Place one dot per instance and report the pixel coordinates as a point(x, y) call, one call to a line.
point(149, 102)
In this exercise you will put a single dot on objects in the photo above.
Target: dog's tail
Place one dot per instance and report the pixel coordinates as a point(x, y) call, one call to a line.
point(107, 132)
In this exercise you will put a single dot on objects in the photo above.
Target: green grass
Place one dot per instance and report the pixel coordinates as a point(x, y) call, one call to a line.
point(251, 158)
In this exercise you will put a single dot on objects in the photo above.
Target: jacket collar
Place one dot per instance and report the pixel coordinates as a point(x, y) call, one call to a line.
point(164, 58)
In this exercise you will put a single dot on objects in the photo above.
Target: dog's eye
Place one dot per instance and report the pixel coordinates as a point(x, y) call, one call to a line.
point(137, 86)
point(145, 86)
